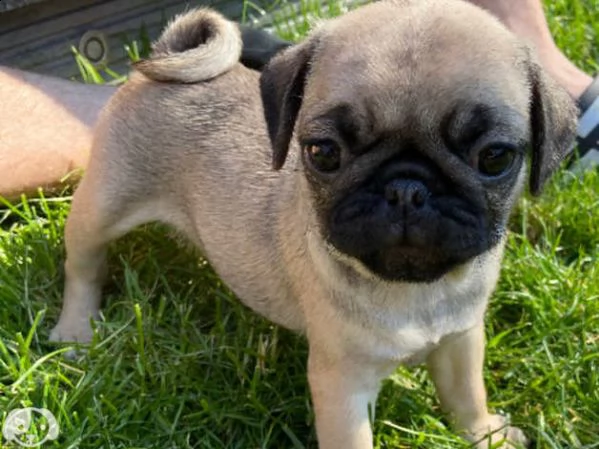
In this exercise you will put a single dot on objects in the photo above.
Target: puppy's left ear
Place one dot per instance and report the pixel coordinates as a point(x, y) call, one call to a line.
point(553, 116)
point(282, 88)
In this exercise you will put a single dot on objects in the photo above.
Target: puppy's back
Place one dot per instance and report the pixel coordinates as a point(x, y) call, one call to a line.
point(190, 93)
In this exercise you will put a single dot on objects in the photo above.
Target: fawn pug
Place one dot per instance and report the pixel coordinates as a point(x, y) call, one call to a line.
point(357, 190)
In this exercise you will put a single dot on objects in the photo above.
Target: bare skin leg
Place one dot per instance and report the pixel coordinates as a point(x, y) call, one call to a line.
point(45, 128)
point(527, 19)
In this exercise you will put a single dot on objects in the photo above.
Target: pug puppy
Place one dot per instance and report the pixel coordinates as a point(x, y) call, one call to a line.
point(357, 190)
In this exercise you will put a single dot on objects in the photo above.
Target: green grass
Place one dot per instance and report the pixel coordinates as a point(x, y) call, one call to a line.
point(178, 362)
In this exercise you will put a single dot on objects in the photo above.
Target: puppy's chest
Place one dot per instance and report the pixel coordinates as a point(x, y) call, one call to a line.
point(403, 324)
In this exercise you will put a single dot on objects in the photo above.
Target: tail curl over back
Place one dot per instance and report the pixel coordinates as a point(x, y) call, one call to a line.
point(195, 46)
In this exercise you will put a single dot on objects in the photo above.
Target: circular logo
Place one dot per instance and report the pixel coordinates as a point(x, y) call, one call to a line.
point(94, 47)
point(30, 427)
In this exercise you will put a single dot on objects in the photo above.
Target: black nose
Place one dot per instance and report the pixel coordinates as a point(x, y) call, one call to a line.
point(406, 193)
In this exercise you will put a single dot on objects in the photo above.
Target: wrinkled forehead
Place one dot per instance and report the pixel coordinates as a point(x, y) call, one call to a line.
point(398, 58)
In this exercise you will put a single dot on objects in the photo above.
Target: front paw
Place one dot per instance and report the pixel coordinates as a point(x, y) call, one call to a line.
point(74, 331)
point(496, 433)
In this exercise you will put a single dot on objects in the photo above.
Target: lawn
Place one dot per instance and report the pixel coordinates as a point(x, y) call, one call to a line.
point(178, 362)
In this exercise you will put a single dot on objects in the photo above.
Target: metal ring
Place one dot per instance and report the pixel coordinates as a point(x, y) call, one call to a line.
point(93, 46)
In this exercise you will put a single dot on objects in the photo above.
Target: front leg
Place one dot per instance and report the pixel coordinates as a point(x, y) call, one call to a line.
point(344, 394)
point(456, 368)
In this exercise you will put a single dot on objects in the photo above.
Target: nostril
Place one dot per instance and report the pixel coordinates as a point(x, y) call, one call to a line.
point(406, 193)
point(391, 193)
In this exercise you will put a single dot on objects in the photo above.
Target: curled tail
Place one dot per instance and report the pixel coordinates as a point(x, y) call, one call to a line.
point(195, 46)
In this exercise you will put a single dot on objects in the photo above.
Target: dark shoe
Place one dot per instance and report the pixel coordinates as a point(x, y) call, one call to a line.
point(259, 47)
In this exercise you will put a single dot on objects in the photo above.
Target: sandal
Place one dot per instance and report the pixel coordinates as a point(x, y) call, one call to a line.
point(587, 140)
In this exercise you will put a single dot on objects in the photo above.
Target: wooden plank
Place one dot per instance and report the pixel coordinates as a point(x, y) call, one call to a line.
point(40, 37)
point(8, 5)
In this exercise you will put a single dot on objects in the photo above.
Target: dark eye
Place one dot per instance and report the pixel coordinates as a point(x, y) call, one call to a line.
point(324, 156)
point(494, 161)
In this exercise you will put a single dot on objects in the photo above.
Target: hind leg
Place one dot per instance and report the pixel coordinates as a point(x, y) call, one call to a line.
point(97, 216)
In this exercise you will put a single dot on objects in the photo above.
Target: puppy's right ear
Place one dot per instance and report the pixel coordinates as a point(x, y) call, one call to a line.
point(282, 88)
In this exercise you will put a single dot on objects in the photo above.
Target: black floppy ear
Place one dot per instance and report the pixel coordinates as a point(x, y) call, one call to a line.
point(282, 88)
point(553, 116)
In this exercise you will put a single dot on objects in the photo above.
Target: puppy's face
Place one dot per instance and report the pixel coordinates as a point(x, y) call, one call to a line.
point(414, 130)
